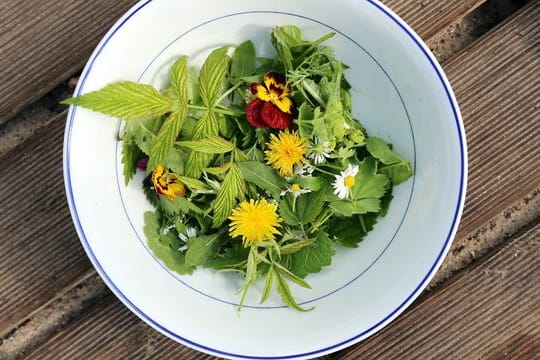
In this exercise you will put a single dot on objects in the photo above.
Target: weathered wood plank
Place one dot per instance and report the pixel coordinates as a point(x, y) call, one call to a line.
point(497, 84)
point(40, 253)
point(490, 311)
point(111, 331)
point(43, 42)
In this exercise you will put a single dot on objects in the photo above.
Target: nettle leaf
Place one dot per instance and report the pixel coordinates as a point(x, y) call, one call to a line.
point(348, 207)
point(126, 100)
point(351, 231)
point(162, 247)
point(263, 176)
point(242, 61)
point(179, 79)
point(306, 207)
point(233, 188)
point(130, 155)
point(166, 137)
point(397, 173)
point(212, 76)
point(380, 150)
point(209, 145)
point(312, 258)
point(202, 248)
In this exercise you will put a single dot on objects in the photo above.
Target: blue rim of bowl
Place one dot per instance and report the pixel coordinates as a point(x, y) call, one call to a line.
point(347, 342)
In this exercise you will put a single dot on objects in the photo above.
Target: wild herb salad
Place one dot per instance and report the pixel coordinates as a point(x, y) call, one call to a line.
point(254, 165)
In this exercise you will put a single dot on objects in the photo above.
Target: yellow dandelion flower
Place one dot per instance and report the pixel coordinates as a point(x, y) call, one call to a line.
point(255, 221)
point(285, 151)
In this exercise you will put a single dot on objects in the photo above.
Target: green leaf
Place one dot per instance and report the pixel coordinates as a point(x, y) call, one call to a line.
point(172, 257)
point(263, 176)
point(380, 150)
point(268, 284)
point(202, 248)
point(130, 155)
point(126, 100)
point(212, 76)
point(242, 61)
point(311, 182)
point(231, 258)
point(351, 231)
point(284, 291)
point(368, 184)
point(302, 210)
point(362, 206)
point(311, 259)
point(179, 79)
point(291, 248)
point(194, 184)
point(218, 170)
point(233, 188)
point(398, 173)
point(296, 279)
point(166, 137)
point(180, 205)
point(207, 126)
point(209, 145)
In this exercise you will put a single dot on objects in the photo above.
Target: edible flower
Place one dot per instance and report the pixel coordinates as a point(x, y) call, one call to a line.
point(295, 189)
point(272, 106)
point(284, 151)
point(167, 183)
point(319, 150)
point(255, 221)
point(345, 181)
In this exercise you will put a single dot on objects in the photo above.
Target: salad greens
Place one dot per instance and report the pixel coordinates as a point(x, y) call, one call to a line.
point(254, 165)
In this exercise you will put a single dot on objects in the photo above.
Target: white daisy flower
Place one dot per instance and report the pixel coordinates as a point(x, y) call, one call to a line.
point(345, 181)
point(319, 150)
point(295, 189)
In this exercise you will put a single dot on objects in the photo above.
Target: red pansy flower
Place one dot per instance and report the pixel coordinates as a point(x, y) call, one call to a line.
point(272, 107)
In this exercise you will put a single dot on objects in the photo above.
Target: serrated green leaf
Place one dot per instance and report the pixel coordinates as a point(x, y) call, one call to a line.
point(398, 173)
point(212, 76)
point(362, 206)
point(351, 231)
point(232, 257)
point(291, 248)
point(296, 279)
point(233, 188)
point(368, 184)
point(130, 155)
point(202, 248)
point(170, 256)
point(263, 176)
point(179, 79)
point(196, 162)
point(284, 291)
point(218, 170)
point(126, 100)
point(311, 259)
point(166, 137)
point(311, 182)
point(306, 207)
point(268, 284)
point(209, 145)
point(194, 184)
point(180, 205)
point(380, 150)
point(242, 61)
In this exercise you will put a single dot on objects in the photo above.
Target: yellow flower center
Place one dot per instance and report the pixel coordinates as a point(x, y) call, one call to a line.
point(349, 181)
point(295, 187)
point(285, 151)
point(255, 221)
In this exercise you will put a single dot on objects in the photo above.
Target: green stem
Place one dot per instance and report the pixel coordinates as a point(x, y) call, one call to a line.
point(229, 91)
point(324, 171)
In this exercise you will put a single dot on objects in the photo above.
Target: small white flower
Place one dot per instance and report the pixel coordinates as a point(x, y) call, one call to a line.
point(345, 181)
point(295, 189)
point(319, 150)
point(305, 170)
point(191, 232)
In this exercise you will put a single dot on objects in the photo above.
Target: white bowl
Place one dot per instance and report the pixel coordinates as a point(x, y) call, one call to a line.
point(399, 93)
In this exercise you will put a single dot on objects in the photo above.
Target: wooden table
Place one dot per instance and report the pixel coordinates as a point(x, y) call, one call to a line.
point(484, 301)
